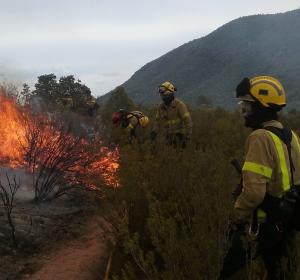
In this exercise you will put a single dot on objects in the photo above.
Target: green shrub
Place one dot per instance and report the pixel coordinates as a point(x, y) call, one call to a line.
point(178, 202)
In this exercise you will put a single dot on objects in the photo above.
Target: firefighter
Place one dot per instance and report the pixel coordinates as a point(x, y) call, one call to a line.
point(131, 121)
point(173, 117)
point(271, 176)
point(92, 105)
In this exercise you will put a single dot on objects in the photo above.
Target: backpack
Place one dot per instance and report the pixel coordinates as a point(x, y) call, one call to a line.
point(287, 208)
point(142, 119)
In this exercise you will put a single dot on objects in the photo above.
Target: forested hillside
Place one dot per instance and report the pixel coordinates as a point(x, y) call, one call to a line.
point(212, 66)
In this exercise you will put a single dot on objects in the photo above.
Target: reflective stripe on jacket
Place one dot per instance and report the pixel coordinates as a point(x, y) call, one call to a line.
point(266, 169)
point(174, 118)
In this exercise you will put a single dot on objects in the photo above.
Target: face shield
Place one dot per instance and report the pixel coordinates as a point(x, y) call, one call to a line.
point(162, 90)
point(246, 100)
point(245, 108)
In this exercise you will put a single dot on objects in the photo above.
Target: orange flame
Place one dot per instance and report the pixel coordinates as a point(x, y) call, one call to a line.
point(15, 121)
point(12, 133)
point(107, 165)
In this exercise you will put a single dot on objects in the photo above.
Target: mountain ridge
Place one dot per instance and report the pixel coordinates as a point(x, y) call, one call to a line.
point(212, 65)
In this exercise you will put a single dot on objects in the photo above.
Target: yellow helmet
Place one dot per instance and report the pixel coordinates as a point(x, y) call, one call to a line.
point(167, 86)
point(266, 90)
point(144, 121)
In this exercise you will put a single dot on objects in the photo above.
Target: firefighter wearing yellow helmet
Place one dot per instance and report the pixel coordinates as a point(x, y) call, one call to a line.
point(130, 120)
point(172, 117)
point(269, 197)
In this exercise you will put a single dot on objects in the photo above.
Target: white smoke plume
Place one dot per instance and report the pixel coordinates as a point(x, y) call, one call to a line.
point(11, 74)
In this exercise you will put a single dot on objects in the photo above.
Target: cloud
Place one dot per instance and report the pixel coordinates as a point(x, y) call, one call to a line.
point(104, 42)
point(85, 33)
point(110, 75)
point(100, 83)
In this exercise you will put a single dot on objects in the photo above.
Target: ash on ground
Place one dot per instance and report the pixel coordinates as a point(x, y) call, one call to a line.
point(39, 226)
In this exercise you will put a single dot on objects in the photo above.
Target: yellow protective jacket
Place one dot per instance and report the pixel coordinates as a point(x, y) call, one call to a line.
point(266, 169)
point(174, 118)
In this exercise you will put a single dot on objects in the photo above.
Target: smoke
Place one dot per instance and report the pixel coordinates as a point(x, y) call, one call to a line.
point(23, 178)
point(12, 74)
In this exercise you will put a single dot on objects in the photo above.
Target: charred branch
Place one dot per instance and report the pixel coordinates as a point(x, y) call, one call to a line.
point(56, 159)
point(7, 196)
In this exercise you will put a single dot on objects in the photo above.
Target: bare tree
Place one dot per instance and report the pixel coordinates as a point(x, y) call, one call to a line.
point(7, 196)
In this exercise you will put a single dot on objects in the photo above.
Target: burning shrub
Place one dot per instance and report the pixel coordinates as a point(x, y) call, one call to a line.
point(52, 156)
point(58, 160)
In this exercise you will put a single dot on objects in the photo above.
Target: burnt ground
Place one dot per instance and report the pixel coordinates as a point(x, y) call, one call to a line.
point(64, 239)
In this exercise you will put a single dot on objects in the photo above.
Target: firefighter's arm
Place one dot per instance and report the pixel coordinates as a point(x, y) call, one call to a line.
point(186, 117)
point(257, 172)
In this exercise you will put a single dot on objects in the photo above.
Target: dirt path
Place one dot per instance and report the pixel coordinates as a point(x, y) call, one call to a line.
point(80, 259)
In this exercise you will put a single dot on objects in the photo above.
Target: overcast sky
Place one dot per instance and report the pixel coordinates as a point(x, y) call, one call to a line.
point(104, 42)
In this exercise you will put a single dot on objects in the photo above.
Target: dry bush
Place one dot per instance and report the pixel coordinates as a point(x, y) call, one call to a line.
point(7, 196)
point(178, 202)
point(59, 161)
